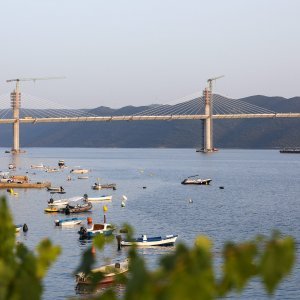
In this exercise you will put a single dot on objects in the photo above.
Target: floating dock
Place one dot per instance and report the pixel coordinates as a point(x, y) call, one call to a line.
point(24, 185)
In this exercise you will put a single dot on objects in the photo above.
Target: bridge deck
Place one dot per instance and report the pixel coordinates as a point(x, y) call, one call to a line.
point(149, 118)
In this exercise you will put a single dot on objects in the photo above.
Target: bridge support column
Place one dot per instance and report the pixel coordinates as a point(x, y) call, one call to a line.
point(208, 122)
point(15, 97)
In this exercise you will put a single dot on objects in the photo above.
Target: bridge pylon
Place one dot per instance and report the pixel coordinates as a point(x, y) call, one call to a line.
point(208, 122)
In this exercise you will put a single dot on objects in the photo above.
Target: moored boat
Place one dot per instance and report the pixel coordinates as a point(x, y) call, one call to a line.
point(62, 203)
point(39, 166)
point(79, 171)
point(98, 186)
point(109, 272)
point(97, 228)
point(61, 163)
point(51, 210)
point(55, 189)
point(68, 221)
point(73, 208)
point(196, 180)
point(99, 199)
point(143, 241)
point(18, 227)
point(52, 170)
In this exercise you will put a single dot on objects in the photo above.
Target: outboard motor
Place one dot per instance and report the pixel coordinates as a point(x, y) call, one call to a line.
point(82, 232)
point(51, 200)
point(67, 210)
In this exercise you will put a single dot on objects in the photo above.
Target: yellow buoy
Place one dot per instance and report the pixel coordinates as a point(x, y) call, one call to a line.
point(104, 208)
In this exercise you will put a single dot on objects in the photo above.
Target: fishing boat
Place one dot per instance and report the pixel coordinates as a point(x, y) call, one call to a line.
point(98, 186)
point(40, 166)
point(196, 180)
point(68, 222)
point(168, 240)
point(79, 171)
point(109, 272)
point(98, 228)
point(73, 207)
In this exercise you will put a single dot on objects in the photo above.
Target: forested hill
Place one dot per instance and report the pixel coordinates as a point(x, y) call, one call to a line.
point(244, 133)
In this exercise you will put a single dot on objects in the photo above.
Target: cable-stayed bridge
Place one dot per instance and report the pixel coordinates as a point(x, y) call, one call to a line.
point(205, 106)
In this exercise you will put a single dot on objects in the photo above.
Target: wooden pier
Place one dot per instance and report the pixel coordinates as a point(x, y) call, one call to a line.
point(24, 185)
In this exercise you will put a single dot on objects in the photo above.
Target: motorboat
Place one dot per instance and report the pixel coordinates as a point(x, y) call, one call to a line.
point(68, 221)
point(61, 163)
point(98, 186)
point(55, 189)
point(109, 273)
point(79, 171)
point(18, 227)
point(52, 170)
point(74, 207)
point(40, 166)
point(62, 203)
point(168, 240)
point(196, 180)
point(98, 199)
point(51, 209)
point(95, 229)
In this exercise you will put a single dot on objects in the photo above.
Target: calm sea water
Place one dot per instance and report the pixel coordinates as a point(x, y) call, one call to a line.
point(261, 193)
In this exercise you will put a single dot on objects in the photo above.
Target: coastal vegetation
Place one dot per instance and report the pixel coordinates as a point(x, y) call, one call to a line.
point(185, 273)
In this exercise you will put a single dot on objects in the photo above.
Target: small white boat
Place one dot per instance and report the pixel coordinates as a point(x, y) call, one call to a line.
point(11, 166)
point(62, 203)
point(83, 177)
point(52, 170)
point(143, 241)
point(196, 180)
point(79, 171)
point(18, 227)
point(100, 198)
point(68, 222)
point(109, 273)
point(40, 166)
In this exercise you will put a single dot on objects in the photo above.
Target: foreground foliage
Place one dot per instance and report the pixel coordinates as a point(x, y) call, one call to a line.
point(189, 273)
point(21, 270)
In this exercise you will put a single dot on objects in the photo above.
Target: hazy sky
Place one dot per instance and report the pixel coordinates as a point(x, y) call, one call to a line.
point(137, 52)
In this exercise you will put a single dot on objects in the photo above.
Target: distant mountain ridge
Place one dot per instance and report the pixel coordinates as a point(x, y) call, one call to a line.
point(242, 133)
